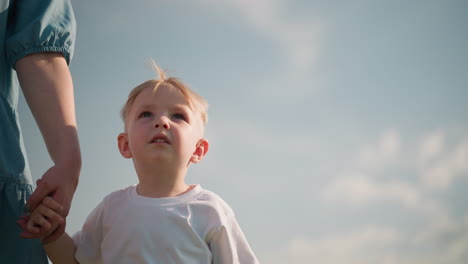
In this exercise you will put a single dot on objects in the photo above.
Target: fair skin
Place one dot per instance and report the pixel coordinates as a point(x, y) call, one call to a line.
point(161, 165)
point(48, 89)
point(163, 136)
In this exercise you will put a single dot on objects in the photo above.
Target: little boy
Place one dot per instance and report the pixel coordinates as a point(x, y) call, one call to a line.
point(161, 219)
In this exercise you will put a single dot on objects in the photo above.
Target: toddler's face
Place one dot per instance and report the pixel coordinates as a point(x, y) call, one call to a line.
point(162, 126)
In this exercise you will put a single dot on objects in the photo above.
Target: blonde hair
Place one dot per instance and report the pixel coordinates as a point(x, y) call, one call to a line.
point(197, 103)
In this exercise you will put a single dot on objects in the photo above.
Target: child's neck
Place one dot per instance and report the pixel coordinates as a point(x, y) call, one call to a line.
point(162, 191)
point(160, 182)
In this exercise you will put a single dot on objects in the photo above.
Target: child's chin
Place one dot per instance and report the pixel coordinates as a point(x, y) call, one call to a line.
point(161, 157)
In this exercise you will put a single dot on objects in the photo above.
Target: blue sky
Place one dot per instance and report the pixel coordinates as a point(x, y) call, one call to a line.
point(338, 129)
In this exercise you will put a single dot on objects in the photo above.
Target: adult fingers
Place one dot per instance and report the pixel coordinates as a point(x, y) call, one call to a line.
point(43, 189)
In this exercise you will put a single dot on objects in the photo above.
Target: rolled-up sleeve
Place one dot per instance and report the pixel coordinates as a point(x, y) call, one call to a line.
point(40, 26)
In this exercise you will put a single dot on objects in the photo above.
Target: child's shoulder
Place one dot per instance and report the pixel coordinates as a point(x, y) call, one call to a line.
point(210, 196)
point(119, 194)
point(212, 202)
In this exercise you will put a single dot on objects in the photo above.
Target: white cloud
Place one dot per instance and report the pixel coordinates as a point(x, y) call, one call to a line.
point(431, 147)
point(360, 190)
point(357, 186)
point(380, 155)
point(299, 38)
point(442, 238)
point(433, 230)
point(447, 236)
point(356, 190)
point(440, 174)
point(376, 244)
point(366, 245)
point(458, 248)
point(345, 243)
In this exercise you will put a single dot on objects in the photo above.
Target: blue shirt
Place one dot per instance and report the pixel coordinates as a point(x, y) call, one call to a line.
point(26, 27)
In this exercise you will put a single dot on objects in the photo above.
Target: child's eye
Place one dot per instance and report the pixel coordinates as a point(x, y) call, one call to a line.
point(178, 116)
point(145, 114)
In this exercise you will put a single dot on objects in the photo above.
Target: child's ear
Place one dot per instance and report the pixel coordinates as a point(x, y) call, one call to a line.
point(200, 151)
point(122, 141)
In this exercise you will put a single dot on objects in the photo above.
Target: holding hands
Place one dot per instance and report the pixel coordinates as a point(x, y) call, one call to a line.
point(43, 221)
point(50, 203)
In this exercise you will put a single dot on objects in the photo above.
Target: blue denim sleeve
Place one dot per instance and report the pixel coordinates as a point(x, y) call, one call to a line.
point(40, 26)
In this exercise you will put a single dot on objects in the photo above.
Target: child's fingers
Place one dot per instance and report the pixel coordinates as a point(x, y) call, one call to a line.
point(39, 218)
point(35, 221)
point(51, 215)
point(42, 217)
point(53, 205)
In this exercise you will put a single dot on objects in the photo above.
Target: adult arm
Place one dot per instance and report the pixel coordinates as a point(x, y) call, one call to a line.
point(48, 89)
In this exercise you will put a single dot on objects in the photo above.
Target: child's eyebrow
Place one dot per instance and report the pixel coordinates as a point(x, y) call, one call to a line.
point(175, 107)
point(145, 106)
point(181, 107)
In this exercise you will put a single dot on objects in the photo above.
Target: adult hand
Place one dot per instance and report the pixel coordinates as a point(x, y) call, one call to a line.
point(60, 183)
point(48, 89)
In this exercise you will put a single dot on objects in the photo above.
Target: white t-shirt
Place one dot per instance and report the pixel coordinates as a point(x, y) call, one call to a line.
point(195, 227)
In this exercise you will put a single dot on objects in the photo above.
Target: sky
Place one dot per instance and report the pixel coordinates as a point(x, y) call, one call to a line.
point(338, 130)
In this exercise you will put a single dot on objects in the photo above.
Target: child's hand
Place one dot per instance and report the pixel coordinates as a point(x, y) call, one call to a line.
point(46, 216)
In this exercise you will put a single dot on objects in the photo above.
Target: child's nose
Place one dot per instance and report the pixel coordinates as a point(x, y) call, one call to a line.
point(162, 122)
point(166, 126)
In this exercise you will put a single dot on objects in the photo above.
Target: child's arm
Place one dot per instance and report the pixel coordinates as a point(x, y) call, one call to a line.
point(61, 250)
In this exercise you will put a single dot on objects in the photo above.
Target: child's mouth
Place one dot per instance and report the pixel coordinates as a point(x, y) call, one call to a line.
point(160, 139)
